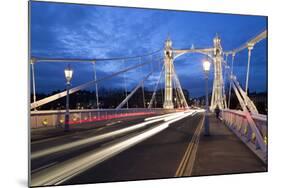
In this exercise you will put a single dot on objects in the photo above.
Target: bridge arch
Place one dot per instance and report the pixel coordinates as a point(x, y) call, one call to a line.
point(214, 53)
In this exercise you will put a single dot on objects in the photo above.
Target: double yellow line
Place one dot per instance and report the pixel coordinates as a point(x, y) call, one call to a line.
point(187, 162)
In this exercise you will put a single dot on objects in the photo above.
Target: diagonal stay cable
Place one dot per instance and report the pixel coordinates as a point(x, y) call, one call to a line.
point(155, 89)
point(132, 92)
point(82, 86)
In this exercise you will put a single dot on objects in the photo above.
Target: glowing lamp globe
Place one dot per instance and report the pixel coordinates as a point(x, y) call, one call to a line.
point(206, 66)
point(68, 72)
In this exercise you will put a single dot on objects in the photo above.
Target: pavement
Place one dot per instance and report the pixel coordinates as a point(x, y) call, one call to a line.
point(224, 153)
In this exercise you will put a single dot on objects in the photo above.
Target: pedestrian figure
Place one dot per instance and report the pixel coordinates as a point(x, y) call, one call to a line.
point(217, 111)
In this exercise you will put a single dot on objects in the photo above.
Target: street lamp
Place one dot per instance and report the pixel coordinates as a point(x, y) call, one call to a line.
point(68, 72)
point(206, 68)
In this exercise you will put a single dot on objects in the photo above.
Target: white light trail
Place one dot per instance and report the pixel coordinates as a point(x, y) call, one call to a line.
point(99, 138)
point(64, 171)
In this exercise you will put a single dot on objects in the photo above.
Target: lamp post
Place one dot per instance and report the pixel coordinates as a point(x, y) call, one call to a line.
point(68, 72)
point(206, 68)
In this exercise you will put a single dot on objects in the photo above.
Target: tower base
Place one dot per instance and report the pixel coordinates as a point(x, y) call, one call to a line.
point(168, 105)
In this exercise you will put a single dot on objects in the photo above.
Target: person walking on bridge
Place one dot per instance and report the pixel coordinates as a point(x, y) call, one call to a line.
point(217, 111)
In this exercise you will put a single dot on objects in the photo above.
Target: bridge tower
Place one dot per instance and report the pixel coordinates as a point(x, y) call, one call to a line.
point(168, 63)
point(218, 95)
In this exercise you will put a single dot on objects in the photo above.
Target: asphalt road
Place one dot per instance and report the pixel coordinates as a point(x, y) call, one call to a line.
point(158, 156)
point(54, 158)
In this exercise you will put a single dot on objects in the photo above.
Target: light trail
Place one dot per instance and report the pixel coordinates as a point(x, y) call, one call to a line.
point(99, 138)
point(64, 171)
point(160, 117)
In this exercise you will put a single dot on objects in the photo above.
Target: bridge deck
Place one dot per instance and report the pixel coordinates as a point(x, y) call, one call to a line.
point(44, 133)
point(224, 153)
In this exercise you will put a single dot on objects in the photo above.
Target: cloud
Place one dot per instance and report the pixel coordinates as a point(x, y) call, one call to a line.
point(79, 31)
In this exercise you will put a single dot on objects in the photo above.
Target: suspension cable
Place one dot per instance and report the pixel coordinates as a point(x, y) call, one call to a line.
point(179, 86)
point(155, 89)
point(33, 80)
point(250, 48)
point(96, 84)
point(161, 89)
point(133, 91)
point(83, 60)
point(125, 85)
point(143, 97)
point(231, 74)
point(177, 98)
point(224, 80)
point(151, 66)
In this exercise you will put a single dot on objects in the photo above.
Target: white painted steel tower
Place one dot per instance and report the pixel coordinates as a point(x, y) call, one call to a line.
point(218, 94)
point(168, 53)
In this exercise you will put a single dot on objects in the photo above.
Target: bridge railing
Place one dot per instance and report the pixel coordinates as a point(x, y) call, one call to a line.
point(239, 124)
point(56, 118)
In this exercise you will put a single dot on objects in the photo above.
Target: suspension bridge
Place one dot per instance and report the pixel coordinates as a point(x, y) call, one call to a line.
point(124, 143)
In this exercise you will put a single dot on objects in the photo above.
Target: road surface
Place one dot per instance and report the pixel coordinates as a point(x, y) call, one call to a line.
point(142, 148)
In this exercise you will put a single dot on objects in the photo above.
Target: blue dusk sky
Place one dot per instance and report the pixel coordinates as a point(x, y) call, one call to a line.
point(84, 31)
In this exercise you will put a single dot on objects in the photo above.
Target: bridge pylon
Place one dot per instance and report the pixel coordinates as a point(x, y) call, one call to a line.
point(168, 62)
point(218, 94)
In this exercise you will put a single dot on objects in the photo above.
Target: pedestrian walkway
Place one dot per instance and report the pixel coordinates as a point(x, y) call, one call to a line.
point(224, 153)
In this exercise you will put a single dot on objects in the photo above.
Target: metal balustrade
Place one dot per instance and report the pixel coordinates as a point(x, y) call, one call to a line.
point(237, 121)
point(56, 118)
